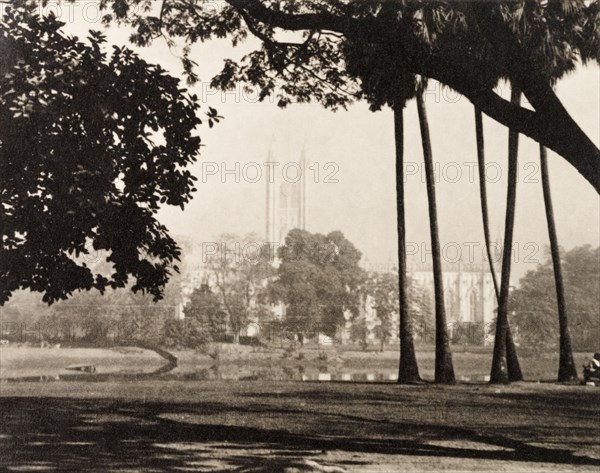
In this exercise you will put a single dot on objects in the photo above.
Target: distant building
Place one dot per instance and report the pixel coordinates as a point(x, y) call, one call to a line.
point(469, 296)
point(286, 198)
point(469, 299)
point(192, 272)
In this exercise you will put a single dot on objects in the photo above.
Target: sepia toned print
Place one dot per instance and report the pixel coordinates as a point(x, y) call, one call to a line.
point(293, 236)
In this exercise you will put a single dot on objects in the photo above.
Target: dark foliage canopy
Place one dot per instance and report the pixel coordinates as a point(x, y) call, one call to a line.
point(91, 144)
point(337, 51)
point(533, 304)
point(318, 279)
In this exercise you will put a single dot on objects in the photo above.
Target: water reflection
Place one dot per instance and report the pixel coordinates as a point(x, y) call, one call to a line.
point(238, 373)
point(91, 375)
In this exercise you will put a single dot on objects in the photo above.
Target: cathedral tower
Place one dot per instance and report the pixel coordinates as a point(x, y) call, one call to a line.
point(286, 198)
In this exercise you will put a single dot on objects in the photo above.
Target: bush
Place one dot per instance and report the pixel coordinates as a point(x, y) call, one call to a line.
point(173, 333)
point(254, 341)
point(224, 338)
point(187, 333)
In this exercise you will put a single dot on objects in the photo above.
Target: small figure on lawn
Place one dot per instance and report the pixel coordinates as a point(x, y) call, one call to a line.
point(592, 368)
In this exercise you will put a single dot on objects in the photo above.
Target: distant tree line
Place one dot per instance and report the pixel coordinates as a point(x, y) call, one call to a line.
point(533, 303)
point(82, 174)
point(304, 282)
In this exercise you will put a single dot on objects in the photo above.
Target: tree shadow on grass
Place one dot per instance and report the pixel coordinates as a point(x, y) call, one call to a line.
point(100, 435)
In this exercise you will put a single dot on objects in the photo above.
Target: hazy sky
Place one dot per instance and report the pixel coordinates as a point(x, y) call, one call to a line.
point(359, 146)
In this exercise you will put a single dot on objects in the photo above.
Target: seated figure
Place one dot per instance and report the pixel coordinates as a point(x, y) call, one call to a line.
point(592, 368)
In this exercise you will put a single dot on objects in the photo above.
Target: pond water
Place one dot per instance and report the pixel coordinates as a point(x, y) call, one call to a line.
point(235, 373)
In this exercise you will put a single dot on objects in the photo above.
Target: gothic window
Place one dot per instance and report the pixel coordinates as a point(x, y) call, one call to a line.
point(473, 304)
point(449, 302)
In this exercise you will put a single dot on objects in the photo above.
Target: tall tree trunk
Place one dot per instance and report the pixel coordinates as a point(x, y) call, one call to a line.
point(483, 196)
point(566, 366)
point(513, 366)
point(444, 371)
point(512, 359)
point(408, 371)
point(499, 372)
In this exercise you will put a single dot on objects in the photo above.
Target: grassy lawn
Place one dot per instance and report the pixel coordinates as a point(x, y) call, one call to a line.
point(176, 422)
point(254, 426)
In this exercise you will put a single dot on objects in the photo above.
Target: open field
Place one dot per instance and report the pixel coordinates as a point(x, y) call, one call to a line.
point(218, 426)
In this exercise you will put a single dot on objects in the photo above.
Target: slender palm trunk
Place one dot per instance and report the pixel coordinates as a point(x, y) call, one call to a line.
point(444, 371)
point(483, 196)
point(566, 366)
point(512, 359)
point(408, 371)
point(499, 372)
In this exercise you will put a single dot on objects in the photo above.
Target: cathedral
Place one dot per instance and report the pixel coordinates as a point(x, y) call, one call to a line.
point(469, 299)
point(468, 287)
point(286, 199)
point(469, 296)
